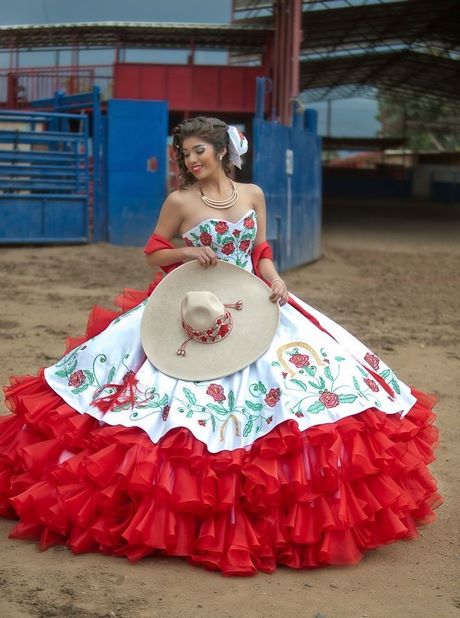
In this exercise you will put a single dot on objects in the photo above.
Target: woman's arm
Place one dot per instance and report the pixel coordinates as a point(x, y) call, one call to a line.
point(266, 267)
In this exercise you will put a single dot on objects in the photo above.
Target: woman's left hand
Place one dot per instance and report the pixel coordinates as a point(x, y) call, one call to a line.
point(279, 292)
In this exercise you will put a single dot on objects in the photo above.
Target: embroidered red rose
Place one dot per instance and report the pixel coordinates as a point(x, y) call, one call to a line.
point(205, 238)
point(372, 384)
point(372, 360)
point(236, 233)
point(223, 330)
point(273, 396)
point(330, 400)
point(165, 413)
point(216, 391)
point(188, 242)
point(77, 378)
point(202, 423)
point(300, 360)
point(244, 245)
point(221, 227)
point(228, 248)
point(248, 222)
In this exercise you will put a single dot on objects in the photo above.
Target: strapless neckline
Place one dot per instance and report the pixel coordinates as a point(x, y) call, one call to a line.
point(218, 219)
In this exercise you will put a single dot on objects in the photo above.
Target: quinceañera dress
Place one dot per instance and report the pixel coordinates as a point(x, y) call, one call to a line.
point(307, 457)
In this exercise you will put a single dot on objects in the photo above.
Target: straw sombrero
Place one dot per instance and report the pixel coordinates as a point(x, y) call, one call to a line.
point(195, 328)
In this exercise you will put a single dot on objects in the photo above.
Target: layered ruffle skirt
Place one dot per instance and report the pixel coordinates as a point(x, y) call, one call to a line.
point(311, 498)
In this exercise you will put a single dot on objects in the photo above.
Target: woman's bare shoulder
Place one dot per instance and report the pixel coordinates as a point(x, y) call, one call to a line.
point(182, 197)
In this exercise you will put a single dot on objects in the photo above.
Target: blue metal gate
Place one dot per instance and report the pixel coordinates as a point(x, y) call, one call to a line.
point(287, 165)
point(136, 168)
point(44, 177)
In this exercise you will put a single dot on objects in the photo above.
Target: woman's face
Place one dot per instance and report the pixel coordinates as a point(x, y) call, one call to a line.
point(200, 157)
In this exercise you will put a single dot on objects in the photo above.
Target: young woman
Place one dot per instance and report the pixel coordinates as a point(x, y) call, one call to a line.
point(307, 456)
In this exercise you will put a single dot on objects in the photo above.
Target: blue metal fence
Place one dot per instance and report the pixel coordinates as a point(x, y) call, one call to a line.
point(90, 103)
point(287, 165)
point(44, 177)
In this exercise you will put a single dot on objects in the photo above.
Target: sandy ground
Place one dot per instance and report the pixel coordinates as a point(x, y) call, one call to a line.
point(393, 279)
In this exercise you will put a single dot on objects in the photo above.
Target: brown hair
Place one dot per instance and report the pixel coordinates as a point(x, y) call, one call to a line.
point(212, 130)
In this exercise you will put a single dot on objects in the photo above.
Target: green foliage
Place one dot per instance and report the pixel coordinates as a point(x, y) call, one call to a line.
point(426, 124)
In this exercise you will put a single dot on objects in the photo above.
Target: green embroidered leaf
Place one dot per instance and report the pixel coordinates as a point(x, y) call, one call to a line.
point(311, 370)
point(231, 400)
point(248, 428)
point(111, 374)
point(72, 368)
point(163, 401)
point(213, 221)
point(194, 236)
point(190, 396)
point(217, 409)
point(254, 406)
point(363, 371)
point(228, 239)
point(394, 384)
point(328, 374)
point(80, 389)
point(189, 414)
point(275, 364)
point(61, 373)
point(314, 385)
point(385, 373)
point(262, 388)
point(299, 383)
point(347, 398)
point(339, 359)
point(322, 383)
point(356, 384)
point(246, 236)
point(213, 423)
point(89, 375)
point(316, 407)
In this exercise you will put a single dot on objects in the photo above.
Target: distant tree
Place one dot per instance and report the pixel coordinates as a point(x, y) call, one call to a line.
point(426, 124)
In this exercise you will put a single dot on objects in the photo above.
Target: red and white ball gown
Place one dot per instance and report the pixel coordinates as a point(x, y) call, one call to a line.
point(308, 457)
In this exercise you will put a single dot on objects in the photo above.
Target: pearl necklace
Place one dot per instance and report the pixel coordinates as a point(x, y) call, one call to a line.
point(221, 204)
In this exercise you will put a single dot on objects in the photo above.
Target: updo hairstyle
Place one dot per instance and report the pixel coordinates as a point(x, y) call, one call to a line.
point(213, 131)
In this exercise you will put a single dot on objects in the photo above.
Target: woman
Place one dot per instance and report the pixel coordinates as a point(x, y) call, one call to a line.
point(325, 453)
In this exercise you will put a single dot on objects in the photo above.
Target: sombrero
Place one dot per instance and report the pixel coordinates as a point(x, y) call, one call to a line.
point(206, 323)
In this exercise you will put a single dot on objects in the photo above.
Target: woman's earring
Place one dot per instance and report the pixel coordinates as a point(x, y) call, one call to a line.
point(220, 157)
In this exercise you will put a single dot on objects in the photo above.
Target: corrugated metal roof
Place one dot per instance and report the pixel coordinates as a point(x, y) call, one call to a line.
point(135, 34)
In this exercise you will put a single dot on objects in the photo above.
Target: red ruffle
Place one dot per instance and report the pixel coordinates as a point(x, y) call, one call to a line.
point(301, 499)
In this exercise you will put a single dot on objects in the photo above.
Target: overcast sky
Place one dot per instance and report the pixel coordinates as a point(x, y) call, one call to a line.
point(63, 11)
point(352, 117)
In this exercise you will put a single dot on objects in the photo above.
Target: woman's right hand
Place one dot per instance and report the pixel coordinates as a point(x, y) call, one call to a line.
point(205, 255)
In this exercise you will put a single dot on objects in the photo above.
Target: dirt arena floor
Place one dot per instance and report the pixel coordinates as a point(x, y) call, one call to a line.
point(389, 275)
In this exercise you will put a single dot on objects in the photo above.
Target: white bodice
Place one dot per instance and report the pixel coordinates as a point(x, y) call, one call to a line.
point(231, 242)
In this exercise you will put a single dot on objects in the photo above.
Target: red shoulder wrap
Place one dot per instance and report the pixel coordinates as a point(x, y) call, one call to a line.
point(260, 252)
point(157, 243)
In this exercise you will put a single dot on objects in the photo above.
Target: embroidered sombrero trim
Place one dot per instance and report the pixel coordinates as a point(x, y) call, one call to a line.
point(219, 329)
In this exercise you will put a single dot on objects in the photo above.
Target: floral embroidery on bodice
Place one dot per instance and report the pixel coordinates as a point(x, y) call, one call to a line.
point(231, 242)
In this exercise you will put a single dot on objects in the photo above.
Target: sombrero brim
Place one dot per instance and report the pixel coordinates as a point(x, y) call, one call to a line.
point(253, 327)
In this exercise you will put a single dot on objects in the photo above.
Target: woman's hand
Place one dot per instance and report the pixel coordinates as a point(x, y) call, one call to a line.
point(205, 255)
point(279, 291)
